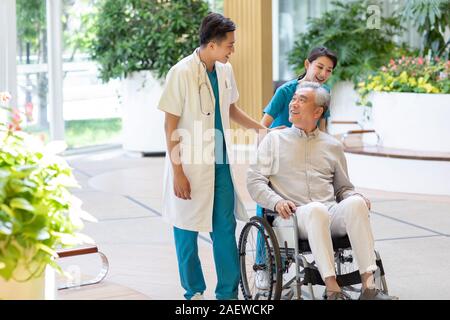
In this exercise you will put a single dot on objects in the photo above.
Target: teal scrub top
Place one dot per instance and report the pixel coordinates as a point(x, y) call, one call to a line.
point(220, 146)
point(278, 107)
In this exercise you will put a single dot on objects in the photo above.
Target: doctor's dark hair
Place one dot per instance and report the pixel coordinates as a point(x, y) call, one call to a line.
point(215, 27)
point(318, 52)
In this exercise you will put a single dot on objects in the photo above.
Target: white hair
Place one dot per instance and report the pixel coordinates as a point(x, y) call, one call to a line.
point(323, 97)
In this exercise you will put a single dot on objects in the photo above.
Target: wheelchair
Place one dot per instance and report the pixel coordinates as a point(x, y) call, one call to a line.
point(281, 250)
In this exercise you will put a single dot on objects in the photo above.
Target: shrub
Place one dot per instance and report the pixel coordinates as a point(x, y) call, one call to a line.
point(344, 30)
point(136, 35)
point(408, 74)
point(38, 213)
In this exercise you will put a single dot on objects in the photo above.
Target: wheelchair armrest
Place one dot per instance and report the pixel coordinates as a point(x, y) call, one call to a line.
point(269, 212)
point(271, 215)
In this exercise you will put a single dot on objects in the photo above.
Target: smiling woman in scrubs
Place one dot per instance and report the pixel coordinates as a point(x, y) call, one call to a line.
point(199, 194)
point(319, 66)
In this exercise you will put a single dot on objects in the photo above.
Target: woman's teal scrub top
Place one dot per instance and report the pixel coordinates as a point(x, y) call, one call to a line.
point(278, 107)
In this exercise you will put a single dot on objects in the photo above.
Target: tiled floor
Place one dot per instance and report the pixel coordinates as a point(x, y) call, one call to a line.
point(124, 193)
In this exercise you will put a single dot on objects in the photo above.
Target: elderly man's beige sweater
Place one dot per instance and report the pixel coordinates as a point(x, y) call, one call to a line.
point(303, 168)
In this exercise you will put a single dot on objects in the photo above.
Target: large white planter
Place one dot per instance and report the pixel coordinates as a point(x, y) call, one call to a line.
point(413, 121)
point(343, 102)
point(41, 288)
point(143, 123)
point(399, 175)
point(343, 108)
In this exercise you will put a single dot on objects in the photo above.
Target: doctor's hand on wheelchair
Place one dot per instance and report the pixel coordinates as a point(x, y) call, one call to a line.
point(285, 208)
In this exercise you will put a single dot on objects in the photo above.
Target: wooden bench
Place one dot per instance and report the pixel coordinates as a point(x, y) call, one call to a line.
point(343, 137)
point(376, 150)
point(75, 252)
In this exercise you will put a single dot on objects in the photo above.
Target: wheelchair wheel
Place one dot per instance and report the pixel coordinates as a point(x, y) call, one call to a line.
point(268, 260)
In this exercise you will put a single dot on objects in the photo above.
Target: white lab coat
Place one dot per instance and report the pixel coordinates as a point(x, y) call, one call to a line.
point(181, 98)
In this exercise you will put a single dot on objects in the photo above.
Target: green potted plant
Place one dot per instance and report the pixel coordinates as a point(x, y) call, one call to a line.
point(345, 30)
point(138, 42)
point(38, 213)
point(402, 94)
point(360, 46)
point(431, 19)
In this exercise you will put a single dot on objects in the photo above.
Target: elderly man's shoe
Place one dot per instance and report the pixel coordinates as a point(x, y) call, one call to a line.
point(375, 294)
point(334, 295)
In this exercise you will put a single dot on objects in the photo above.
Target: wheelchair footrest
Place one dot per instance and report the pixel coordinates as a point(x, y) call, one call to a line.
point(312, 276)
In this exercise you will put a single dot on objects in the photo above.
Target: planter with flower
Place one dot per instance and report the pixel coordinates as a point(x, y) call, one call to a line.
point(38, 213)
point(410, 103)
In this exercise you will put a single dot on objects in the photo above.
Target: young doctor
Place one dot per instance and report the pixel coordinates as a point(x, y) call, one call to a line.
point(199, 194)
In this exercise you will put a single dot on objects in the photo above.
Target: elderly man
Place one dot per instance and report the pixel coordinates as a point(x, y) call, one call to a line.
point(302, 170)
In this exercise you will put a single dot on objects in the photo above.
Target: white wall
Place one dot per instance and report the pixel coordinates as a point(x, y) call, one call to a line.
point(8, 77)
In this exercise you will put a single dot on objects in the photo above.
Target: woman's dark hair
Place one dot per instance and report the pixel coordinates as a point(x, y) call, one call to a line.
point(215, 27)
point(320, 52)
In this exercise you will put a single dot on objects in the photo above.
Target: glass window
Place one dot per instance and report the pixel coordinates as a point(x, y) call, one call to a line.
point(292, 18)
point(32, 77)
point(216, 5)
point(92, 112)
point(91, 109)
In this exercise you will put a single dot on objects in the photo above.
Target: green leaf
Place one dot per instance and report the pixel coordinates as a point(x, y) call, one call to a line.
point(14, 251)
point(8, 210)
point(141, 35)
point(18, 186)
point(344, 30)
point(47, 249)
point(8, 268)
point(21, 203)
point(67, 239)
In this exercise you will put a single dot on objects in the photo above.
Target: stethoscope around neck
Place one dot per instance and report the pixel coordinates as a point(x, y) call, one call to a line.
point(204, 89)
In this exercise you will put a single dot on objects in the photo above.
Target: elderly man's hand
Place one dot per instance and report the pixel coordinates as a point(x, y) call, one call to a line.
point(285, 208)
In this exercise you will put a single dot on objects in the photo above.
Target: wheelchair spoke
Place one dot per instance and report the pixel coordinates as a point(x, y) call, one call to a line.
point(257, 262)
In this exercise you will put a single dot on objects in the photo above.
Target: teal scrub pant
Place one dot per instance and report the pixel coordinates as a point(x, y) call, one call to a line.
point(223, 237)
point(260, 245)
point(260, 248)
